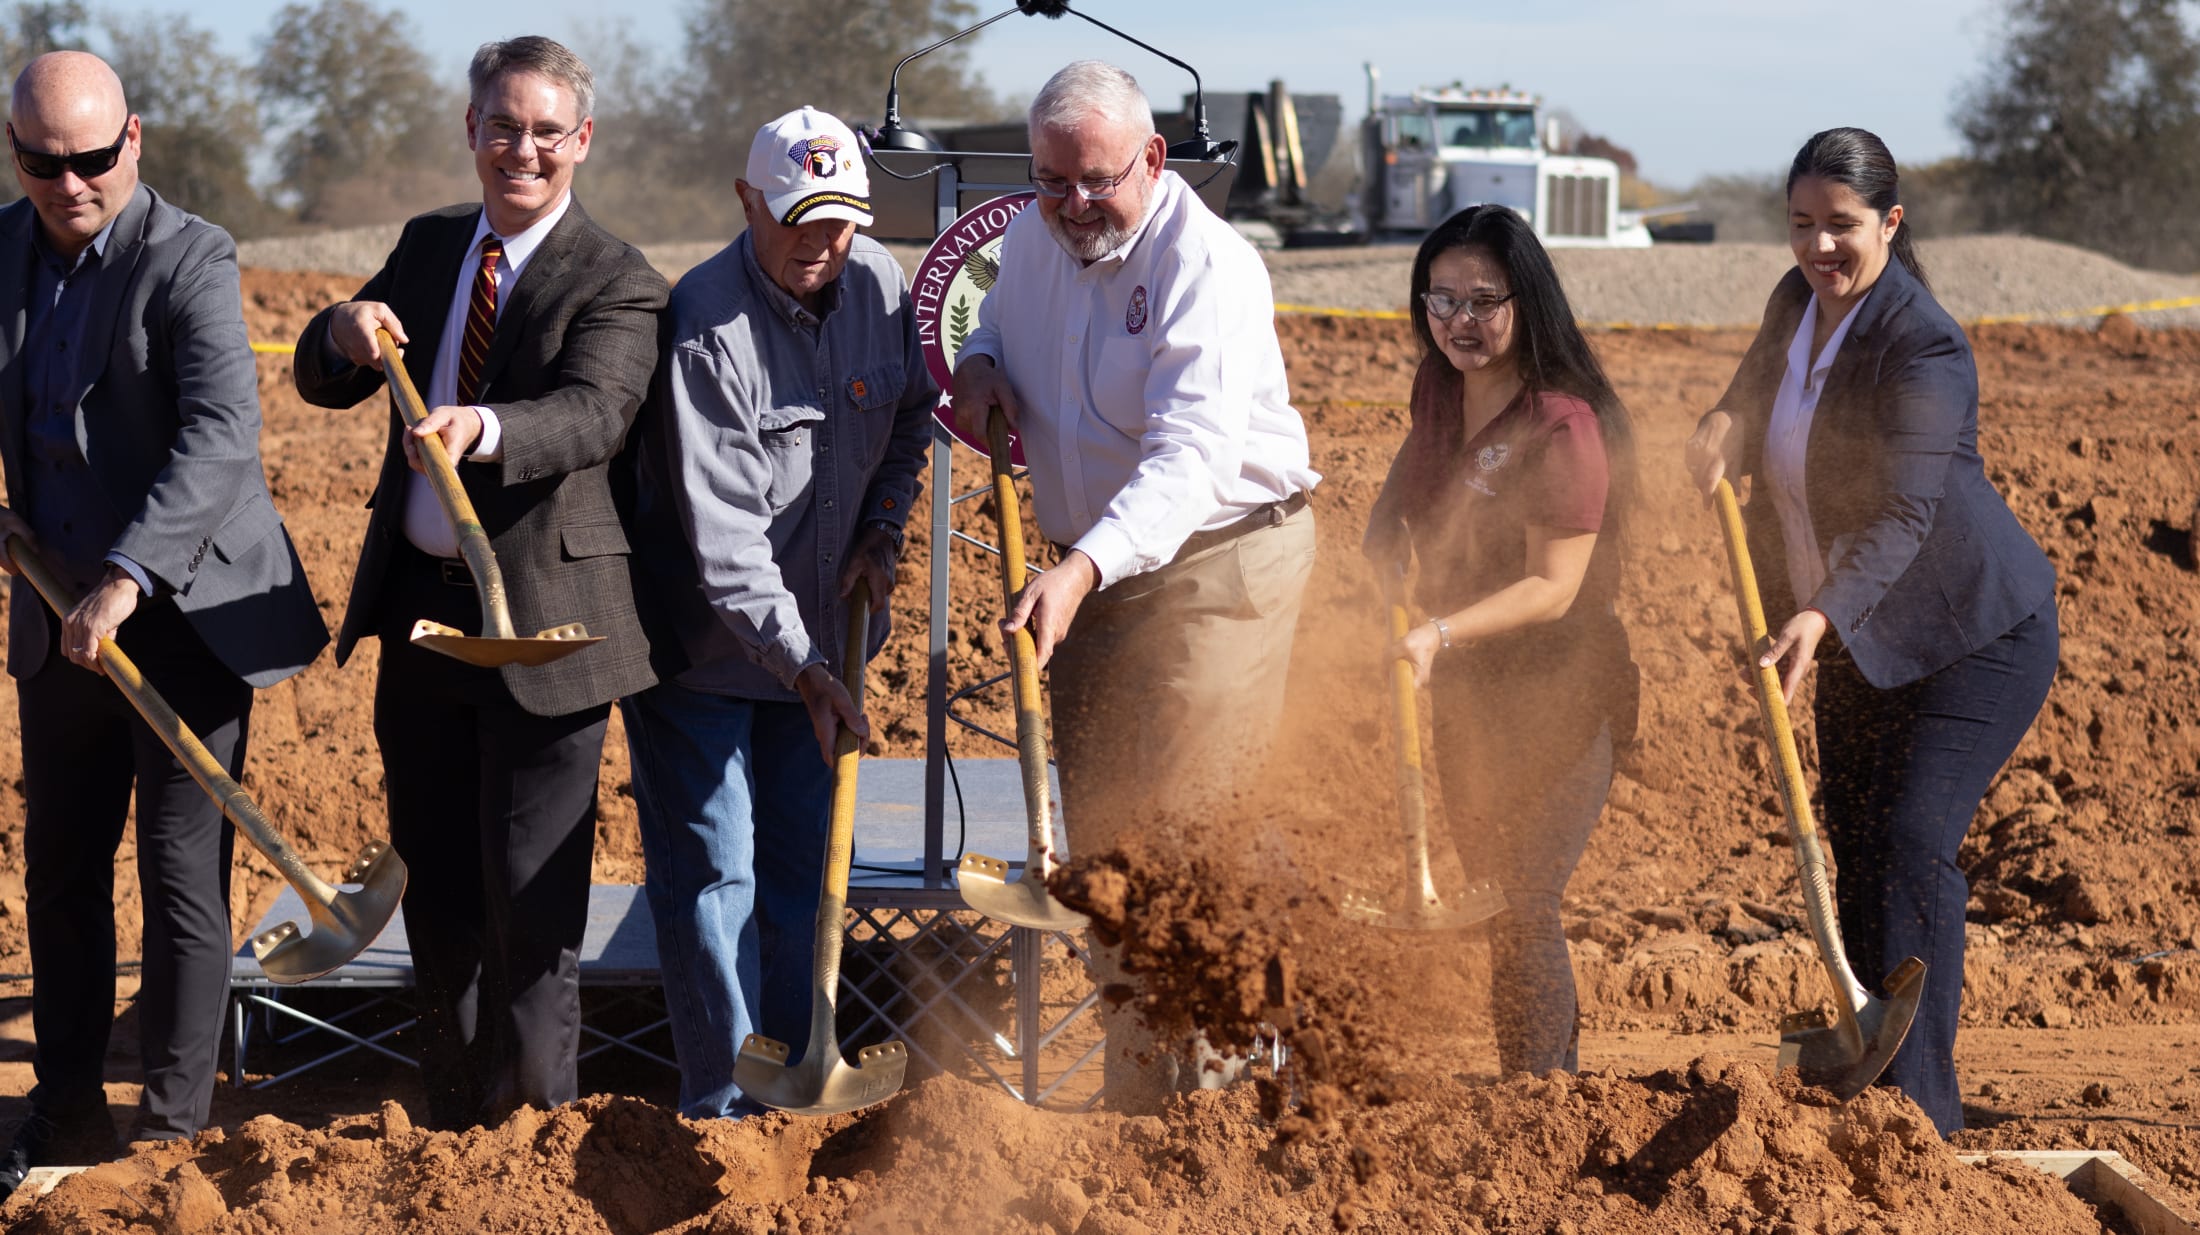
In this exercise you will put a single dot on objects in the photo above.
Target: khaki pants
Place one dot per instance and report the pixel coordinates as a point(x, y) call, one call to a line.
point(1167, 695)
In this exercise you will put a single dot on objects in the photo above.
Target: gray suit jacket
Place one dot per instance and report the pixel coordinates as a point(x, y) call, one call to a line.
point(574, 348)
point(169, 423)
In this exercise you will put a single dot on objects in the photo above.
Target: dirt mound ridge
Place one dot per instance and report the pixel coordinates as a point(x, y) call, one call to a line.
point(1716, 1146)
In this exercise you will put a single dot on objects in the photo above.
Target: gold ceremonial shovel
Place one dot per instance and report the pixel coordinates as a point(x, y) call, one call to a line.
point(344, 923)
point(497, 645)
point(1849, 1054)
point(824, 1083)
point(1416, 905)
point(984, 881)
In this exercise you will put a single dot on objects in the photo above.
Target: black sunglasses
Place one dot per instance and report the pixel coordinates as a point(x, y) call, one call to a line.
point(88, 164)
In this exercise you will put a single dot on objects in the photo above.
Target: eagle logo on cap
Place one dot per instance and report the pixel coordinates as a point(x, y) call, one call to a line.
point(816, 155)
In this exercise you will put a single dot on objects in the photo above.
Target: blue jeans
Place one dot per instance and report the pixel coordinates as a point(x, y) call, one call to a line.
point(734, 802)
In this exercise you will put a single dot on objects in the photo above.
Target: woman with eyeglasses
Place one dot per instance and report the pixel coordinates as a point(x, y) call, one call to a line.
point(1507, 493)
point(1927, 608)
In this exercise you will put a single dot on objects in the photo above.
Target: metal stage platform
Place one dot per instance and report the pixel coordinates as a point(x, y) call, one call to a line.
point(965, 992)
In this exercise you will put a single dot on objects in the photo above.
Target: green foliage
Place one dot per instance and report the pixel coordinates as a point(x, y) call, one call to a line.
point(2085, 125)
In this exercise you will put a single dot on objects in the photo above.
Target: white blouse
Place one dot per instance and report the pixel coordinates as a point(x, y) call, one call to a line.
point(1787, 443)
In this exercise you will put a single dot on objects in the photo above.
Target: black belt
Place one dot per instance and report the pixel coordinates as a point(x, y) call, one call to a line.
point(450, 570)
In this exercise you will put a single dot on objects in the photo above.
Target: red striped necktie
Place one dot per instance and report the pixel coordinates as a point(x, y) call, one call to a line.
point(481, 321)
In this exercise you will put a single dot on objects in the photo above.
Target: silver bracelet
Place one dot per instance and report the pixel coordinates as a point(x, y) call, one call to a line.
point(1443, 631)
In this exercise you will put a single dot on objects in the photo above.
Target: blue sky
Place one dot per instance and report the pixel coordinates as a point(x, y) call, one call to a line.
point(1691, 86)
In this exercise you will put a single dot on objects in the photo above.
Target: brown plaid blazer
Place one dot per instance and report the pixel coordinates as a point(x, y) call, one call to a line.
point(574, 349)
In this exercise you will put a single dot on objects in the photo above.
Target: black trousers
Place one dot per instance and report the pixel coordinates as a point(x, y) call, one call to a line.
point(1903, 771)
point(84, 748)
point(494, 811)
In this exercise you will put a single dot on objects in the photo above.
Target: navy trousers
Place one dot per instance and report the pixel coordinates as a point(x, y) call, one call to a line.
point(1903, 771)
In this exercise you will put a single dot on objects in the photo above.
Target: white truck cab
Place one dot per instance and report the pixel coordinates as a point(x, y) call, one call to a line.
point(1437, 151)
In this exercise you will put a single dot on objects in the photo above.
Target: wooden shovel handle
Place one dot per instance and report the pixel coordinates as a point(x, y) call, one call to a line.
point(177, 736)
point(473, 541)
point(1023, 654)
point(1794, 790)
point(832, 905)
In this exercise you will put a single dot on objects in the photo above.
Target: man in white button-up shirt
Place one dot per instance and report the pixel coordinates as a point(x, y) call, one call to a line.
point(1130, 340)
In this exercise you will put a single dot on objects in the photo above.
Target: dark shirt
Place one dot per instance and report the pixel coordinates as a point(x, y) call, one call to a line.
point(75, 522)
point(1467, 506)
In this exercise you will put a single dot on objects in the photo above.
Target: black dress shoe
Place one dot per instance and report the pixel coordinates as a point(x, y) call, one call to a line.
point(34, 1137)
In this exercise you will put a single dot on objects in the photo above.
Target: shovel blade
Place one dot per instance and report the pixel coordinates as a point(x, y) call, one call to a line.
point(1025, 901)
point(823, 1083)
point(1410, 910)
point(1831, 1059)
point(342, 928)
point(488, 652)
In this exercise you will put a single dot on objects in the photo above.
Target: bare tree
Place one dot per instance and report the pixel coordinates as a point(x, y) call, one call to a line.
point(671, 140)
point(2085, 127)
point(367, 135)
point(32, 30)
point(28, 32)
point(199, 121)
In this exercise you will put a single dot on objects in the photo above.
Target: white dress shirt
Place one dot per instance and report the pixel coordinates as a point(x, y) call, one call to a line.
point(426, 524)
point(1787, 444)
point(1151, 382)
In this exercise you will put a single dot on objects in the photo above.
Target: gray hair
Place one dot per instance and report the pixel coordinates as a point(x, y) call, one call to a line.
point(532, 53)
point(1087, 88)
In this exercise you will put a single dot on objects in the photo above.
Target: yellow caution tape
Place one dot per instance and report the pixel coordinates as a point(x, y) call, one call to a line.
point(2104, 310)
point(1992, 319)
point(1399, 315)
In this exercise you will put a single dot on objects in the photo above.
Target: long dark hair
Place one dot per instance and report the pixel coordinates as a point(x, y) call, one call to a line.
point(1548, 347)
point(1858, 159)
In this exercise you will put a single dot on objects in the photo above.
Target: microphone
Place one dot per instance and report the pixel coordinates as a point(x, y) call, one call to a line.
point(1200, 146)
point(890, 135)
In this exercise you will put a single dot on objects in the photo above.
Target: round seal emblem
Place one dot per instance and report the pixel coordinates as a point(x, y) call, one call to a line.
point(953, 279)
point(1493, 456)
point(1134, 318)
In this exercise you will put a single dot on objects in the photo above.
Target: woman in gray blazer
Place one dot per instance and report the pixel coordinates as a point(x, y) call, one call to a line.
point(1929, 611)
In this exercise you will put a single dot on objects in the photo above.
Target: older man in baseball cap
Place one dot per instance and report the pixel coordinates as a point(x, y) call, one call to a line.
point(775, 464)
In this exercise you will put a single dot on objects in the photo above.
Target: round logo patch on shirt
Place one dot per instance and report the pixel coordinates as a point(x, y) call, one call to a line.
point(1134, 318)
point(1493, 456)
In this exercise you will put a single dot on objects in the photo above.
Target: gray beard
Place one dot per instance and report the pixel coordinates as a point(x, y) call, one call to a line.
point(1108, 240)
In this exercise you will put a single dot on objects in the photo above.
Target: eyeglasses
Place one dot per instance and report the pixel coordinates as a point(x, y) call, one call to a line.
point(500, 134)
point(1443, 306)
point(87, 164)
point(1091, 190)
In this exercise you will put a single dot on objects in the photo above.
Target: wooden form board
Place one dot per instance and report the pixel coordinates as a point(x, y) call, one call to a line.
point(2105, 1179)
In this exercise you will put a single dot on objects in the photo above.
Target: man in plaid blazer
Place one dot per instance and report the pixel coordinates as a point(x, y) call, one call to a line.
point(535, 332)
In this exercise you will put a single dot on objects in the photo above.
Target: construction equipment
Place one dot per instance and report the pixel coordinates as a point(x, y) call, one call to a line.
point(344, 923)
point(1434, 152)
point(824, 1083)
point(497, 645)
point(1848, 1054)
point(984, 881)
point(1416, 905)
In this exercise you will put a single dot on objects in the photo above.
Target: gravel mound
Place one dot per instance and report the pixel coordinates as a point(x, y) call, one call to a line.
point(1726, 284)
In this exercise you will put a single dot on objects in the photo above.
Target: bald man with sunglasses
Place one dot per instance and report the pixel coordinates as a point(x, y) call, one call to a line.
point(129, 429)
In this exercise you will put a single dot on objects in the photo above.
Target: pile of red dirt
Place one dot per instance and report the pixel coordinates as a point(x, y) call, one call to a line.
point(1718, 1146)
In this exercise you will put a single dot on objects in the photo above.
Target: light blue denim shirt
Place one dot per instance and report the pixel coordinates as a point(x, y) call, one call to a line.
point(774, 438)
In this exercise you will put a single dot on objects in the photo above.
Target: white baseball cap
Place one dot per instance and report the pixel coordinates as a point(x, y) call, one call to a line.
point(808, 167)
